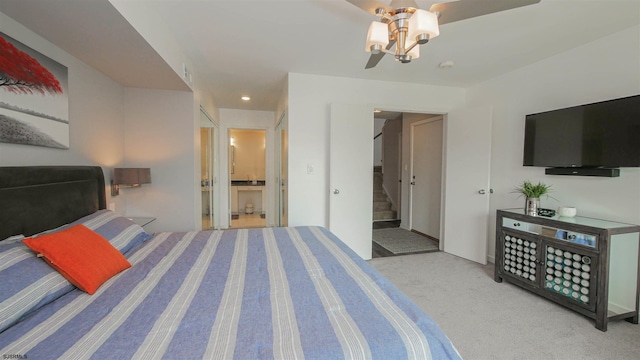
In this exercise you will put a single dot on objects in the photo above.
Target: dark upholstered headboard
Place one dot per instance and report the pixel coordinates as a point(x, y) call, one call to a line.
point(38, 198)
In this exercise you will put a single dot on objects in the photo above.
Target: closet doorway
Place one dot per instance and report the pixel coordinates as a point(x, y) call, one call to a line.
point(247, 174)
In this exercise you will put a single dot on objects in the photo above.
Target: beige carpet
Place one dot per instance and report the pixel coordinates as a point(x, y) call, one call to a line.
point(489, 320)
point(400, 241)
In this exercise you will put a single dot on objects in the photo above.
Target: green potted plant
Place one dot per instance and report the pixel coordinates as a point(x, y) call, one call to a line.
point(532, 192)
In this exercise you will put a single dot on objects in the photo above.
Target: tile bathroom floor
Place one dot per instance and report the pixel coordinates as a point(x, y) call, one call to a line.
point(248, 221)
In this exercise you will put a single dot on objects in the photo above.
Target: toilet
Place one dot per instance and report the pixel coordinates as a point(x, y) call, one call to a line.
point(248, 208)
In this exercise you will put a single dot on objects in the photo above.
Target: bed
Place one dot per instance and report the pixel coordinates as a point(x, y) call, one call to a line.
point(272, 293)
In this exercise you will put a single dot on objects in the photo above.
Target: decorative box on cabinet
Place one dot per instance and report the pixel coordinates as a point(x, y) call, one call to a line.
point(585, 264)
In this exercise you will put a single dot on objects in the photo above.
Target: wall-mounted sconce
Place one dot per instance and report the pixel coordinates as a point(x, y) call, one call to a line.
point(129, 177)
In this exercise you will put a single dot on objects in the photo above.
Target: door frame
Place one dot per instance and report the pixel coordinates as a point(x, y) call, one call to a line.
point(225, 204)
point(405, 176)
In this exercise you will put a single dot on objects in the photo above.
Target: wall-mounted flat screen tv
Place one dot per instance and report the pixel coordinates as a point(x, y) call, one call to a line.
point(603, 134)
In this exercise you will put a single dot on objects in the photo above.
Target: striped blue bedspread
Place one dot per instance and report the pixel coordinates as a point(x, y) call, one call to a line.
point(274, 293)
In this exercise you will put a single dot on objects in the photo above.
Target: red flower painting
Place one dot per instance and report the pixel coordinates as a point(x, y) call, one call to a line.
point(20, 73)
point(34, 108)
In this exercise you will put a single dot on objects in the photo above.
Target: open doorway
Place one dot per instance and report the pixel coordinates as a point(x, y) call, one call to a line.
point(411, 166)
point(465, 202)
point(247, 174)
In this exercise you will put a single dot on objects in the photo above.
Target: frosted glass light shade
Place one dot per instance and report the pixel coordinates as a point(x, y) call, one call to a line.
point(423, 22)
point(378, 35)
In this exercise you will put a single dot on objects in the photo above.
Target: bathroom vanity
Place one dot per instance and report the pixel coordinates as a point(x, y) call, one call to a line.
point(243, 192)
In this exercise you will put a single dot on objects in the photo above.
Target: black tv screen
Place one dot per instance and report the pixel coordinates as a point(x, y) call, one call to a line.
point(604, 134)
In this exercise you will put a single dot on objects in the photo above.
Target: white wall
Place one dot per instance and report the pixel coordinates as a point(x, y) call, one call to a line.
point(159, 134)
point(113, 126)
point(310, 98)
point(605, 69)
point(143, 17)
point(95, 113)
point(246, 119)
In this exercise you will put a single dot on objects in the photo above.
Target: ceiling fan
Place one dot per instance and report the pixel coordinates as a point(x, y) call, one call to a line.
point(406, 26)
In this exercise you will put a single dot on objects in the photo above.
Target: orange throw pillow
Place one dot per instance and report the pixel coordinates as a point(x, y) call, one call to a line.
point(82, 256)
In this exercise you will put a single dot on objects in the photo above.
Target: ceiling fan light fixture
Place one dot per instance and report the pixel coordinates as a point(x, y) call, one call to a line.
point(377, 37)
point(423, 25)
point(408, 27)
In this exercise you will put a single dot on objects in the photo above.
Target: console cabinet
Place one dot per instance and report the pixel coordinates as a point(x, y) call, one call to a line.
point(587, 265)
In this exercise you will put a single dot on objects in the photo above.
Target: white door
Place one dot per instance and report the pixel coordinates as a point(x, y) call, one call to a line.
point(426, 176)
point(466, 202)
point(351, 176)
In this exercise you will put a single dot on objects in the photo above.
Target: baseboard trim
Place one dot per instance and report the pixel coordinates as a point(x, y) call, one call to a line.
point(425, 235)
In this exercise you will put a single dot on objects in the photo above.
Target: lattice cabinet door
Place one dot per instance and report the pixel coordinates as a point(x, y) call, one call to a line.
point(571, 273)
point(521, 257)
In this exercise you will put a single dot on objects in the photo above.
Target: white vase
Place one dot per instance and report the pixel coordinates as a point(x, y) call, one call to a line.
point(531, 206)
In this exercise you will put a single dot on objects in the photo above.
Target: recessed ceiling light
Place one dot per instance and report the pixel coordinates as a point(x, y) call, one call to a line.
point(245, 98)
point(446, 64)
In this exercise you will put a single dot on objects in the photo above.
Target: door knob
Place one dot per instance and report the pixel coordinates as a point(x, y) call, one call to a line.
point(482, 192)
point(336, 191)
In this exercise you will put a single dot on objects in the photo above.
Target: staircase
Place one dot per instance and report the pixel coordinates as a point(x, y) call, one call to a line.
point(382, 207)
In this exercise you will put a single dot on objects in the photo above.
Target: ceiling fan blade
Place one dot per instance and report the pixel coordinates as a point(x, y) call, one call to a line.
point(465, 9)
point(370, 6)
point(374, 59)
